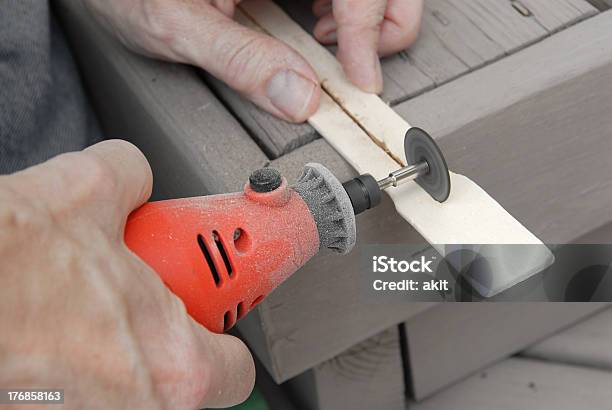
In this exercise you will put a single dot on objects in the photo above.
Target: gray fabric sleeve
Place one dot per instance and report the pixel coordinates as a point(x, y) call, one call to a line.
point(43, 108)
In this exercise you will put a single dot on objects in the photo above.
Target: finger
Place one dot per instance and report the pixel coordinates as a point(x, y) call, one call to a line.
point(123, 175)
point(321, 7)
point(230, 368)
point(401, 26)
point(107, 180)
point(270, 73)
point(326, 29)
point(226, 7)
point(359, 23)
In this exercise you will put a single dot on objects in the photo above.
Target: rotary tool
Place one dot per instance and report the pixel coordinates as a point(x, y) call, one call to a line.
point(223, 254)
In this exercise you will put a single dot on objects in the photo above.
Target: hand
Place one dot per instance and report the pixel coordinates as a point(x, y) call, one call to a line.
point(79, 311)
point(270, 73)
point(365, 30)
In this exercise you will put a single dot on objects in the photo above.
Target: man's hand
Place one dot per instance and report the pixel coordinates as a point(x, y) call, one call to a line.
point(79, 311)
point(271, 74)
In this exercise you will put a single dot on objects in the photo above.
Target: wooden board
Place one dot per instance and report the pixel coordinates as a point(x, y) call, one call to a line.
point(526, 384)
point(275, 136)
point(367, 376)
point(194, 145)
point(358, 125)
point(585, 344)
point(568, 99)
point(456, 38)
point(450, 341)
point(512, 127)
point(601, 4)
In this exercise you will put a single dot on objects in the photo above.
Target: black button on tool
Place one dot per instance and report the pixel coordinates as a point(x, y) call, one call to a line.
point(265, 180)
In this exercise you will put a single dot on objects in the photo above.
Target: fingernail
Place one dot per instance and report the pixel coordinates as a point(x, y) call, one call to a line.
point(291, 93)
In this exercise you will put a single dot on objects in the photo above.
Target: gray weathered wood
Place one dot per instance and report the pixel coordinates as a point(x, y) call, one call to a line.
point(451, 341)
point(337, 316)
point(275, 136)
point(601, 4)
point(588, 343)
point(526, 384)
point(512, 126)
point(194, 145)
point(489, 125)
point(601, 235)
point(456, 38)
point(561, 14)
point(367, 376)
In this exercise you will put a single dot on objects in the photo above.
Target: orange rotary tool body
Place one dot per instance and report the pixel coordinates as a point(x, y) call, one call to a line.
point(222, 254)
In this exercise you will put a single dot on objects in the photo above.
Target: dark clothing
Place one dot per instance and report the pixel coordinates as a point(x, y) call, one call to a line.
point(43, 108)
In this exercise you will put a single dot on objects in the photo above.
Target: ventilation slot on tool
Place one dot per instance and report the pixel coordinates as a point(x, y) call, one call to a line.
point(209, 260)
point(228, 321)
point(221, 248)
point(241, 310)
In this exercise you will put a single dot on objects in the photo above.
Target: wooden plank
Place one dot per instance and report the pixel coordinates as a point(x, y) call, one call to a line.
point(337, 317)
point(450, 341)
point(431, 55)
point(367, 376)
point(501, 22)
point(363, 129)
point(562, 14)
point(600, 235)
point(194, 145)
point(468, 205)
point(458, 34)
point(511, 126)
point(585, 344)
point(451, 44)
point(602, 5)
point(526, 384)
point(275, 136)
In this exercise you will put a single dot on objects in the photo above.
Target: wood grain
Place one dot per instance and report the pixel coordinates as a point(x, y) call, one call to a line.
point(456, 37)
point(585, 344)
point(192, 142)
point(450, 341)
point(526, 384)
point(366, 376)
point(511, 125)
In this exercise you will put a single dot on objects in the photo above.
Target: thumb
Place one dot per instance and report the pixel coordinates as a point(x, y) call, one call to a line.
point(267, 71)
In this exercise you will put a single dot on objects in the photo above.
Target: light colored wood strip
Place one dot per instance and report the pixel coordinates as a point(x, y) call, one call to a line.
point(526, 384)
point(512, 125)
point(386, 127)
point(460, 219)
point(585, 344)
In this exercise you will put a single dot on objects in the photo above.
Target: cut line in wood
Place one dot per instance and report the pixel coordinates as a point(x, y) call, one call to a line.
point(359, 124)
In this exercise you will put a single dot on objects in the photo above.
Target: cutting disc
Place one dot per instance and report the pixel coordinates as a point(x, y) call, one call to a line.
point(419, 147)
